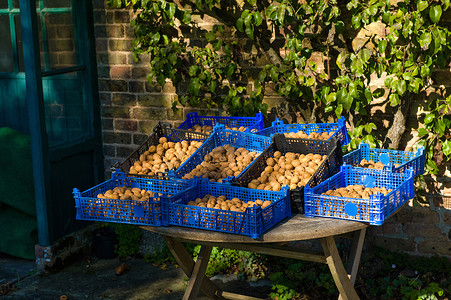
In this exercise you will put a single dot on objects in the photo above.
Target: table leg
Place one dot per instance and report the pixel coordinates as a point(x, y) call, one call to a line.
point(355, 255)
point(342, 281)
point(188, 266)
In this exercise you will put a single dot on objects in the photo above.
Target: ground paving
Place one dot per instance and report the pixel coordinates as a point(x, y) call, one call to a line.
point(93, 278)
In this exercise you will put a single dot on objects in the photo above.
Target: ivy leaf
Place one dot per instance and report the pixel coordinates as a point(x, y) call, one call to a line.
point(194, 87)
point(435, 13)
point(425, 71)
point(274, 73)
point(252, 2)
point(171, 10)
point(340, 59)
point(446, 3)
point(400, 86)
point(236, 102)
point(394, 99)
point(210, 36)
point(340, 26)
point(429, 118)
point(422, 132)
point(446, 147)
point(355, 20)
point(262, 76)
point(365, 54)
point(239, 24)
point(368, 95)
point(425, 40)
point(192, 70)
point(422, 5)
point(155, 38)
point(281, 14)
point(257, 18)
point(212, 86)
point(331, 97)
point(249, 31)
point(339, 110)
point(271, 12)
point(186, 17)
point(382, 46)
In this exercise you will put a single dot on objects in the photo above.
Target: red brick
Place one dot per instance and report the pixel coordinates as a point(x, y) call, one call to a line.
point(109, 31)
point(107, 124)
point(117, 138)
point(105, 98)
point(149, 113)
point(113, 85)
point(120, 45)
point(109, 150)
point(112, 58)
point(391, 228)
point(121, 16)
point(395, 244)
point(124, 99)
point(125, 125)
point(440, 247)
point(147, 126)
point(124, 151)
point(429, 231)
point(136, 86)
point(123, 72)
point(140, 72)
point(139, 139)
point(422, 215)
point(157, 100)
point(101, 45)
point(115, 112)
point(447, 218)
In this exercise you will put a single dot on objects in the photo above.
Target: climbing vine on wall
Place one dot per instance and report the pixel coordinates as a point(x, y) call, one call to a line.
point(309, 57)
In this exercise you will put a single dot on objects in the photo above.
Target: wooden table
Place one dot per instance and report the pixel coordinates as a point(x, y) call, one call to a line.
point(273, 242)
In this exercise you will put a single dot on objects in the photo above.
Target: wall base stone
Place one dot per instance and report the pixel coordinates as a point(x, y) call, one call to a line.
point(65, 251)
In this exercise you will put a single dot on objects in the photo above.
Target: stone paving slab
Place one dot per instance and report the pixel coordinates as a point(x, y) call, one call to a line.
point(96, 279)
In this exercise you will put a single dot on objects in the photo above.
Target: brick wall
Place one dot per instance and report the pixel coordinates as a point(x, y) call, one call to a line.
point(131, 107)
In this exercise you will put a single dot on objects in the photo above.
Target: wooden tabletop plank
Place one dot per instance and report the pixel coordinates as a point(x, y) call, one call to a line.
point(296, 228)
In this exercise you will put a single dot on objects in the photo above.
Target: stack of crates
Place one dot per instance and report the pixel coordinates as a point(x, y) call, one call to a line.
point(169, 199)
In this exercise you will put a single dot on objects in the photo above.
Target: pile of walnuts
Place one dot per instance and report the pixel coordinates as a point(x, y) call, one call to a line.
point(356, 191)
point(221, 202)
point(370, 164)
point(313, 135)
point(164, 156)
point(127, 193)
point(292, 169)
point(209, 129)
point(221, 162)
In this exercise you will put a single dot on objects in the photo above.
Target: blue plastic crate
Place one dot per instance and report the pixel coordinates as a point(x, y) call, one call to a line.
point(403, 159)
point(221, 137)
point(374, 210)
point(331, 165)
point(161, 130)
point(91, 208)
point(339, 128)
point(252, 124)
point(253, 222)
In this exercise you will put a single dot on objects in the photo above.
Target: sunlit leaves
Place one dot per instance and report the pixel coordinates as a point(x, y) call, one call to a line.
point(435, 13)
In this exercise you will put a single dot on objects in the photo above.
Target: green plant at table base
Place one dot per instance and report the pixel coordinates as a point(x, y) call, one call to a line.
point(128, 238)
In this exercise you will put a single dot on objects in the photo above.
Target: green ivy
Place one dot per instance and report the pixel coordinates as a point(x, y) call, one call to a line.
point(216, 66)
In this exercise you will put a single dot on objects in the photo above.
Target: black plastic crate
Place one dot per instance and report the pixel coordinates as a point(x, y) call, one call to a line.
point(161, 130)
point(330, 166)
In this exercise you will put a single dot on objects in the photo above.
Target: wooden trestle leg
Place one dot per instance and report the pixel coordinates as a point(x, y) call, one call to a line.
point(194, 271)
point(342, 281)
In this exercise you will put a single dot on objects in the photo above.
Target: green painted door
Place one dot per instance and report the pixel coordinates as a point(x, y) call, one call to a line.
point(67, 76)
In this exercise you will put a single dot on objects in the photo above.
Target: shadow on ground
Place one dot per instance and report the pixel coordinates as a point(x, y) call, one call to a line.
point(93, 278)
